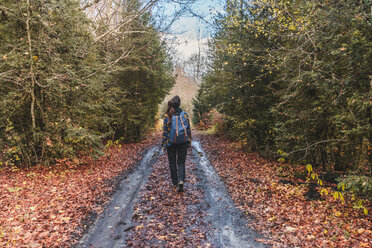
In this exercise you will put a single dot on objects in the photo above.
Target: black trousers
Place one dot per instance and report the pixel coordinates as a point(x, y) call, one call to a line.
point(177, 157)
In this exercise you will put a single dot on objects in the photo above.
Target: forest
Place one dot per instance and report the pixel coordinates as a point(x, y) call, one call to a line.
point(293, 82)
point(280, 98)
point(72, 77)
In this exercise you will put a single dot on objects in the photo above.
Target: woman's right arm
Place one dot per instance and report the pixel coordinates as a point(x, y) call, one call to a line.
point(165, 132)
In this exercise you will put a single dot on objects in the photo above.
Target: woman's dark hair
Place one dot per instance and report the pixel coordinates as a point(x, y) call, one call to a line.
point(173, 103)
point(170, 110)
point(176, 102)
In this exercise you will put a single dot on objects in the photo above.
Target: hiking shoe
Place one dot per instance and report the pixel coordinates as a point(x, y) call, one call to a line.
point(180, 186)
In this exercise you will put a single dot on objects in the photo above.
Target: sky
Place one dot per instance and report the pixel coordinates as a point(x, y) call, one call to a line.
point(184, 32)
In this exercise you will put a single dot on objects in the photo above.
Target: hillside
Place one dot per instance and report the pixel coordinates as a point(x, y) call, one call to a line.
point(185, 88)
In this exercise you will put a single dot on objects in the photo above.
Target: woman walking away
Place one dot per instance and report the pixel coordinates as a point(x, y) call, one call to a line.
point(176, 140)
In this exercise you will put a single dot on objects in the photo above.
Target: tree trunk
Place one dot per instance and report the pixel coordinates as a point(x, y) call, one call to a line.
point(32, 89)
point(32, 75)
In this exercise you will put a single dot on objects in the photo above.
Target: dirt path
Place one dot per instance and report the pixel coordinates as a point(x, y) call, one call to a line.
point(230, 224)
point(109, 229)
point(147, 211)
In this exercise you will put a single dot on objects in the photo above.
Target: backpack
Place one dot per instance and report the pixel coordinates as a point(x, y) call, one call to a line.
point(178, 132)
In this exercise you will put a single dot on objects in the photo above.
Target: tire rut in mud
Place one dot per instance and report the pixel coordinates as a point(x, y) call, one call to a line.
point(229, 223)
point(110, 227)
point(148, 212)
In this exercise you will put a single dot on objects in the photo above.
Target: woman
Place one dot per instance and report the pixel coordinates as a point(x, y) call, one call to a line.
point(176, 140)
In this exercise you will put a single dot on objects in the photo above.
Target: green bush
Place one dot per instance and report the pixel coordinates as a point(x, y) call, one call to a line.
point(360, 185)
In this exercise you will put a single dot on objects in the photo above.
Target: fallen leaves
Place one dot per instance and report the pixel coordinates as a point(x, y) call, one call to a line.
point(278, 206)
point(49, 207)
point(164, 218)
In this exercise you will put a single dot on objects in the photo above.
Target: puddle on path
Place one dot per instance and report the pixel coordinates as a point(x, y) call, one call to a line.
point(230, 225)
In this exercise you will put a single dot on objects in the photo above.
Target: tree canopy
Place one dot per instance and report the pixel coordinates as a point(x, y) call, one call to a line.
point(68, 81)
point(294, 77)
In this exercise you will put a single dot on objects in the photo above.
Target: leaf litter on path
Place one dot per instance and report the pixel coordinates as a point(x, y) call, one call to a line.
point(165, 218)
point(110, 228)
point(203, 216)
point(50, 207)
point(279, 209)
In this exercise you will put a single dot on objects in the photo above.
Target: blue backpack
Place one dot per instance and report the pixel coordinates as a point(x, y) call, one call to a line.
point(178, 132)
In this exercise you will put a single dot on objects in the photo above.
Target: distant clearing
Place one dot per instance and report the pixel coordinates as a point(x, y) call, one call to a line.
point(186, 89)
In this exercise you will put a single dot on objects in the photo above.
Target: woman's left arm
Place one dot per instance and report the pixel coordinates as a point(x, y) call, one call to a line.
point(188, 129)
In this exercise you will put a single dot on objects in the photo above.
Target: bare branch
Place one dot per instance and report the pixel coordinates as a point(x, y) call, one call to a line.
point(113, 63)
point(315, 144)
point(129, 20)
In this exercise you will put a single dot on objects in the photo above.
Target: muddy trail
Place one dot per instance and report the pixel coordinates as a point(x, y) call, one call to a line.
point(146, 211)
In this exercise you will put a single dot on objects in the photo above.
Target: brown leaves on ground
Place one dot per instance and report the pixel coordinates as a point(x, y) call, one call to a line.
point(47, 207)
point(165, 218)
point(280, 211)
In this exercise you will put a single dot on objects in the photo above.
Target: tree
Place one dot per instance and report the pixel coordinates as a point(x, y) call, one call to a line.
point(140, 80)
point(47, 52)
point(67, 81)
point(238, 83)
point(309, 68)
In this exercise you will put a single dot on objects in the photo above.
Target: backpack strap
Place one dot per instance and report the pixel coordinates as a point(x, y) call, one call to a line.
point(183, 127)
point(176, 126)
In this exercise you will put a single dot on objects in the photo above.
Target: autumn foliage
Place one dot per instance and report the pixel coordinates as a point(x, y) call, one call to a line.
point(50, 207)
point(287, 210)
point(164, 218)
